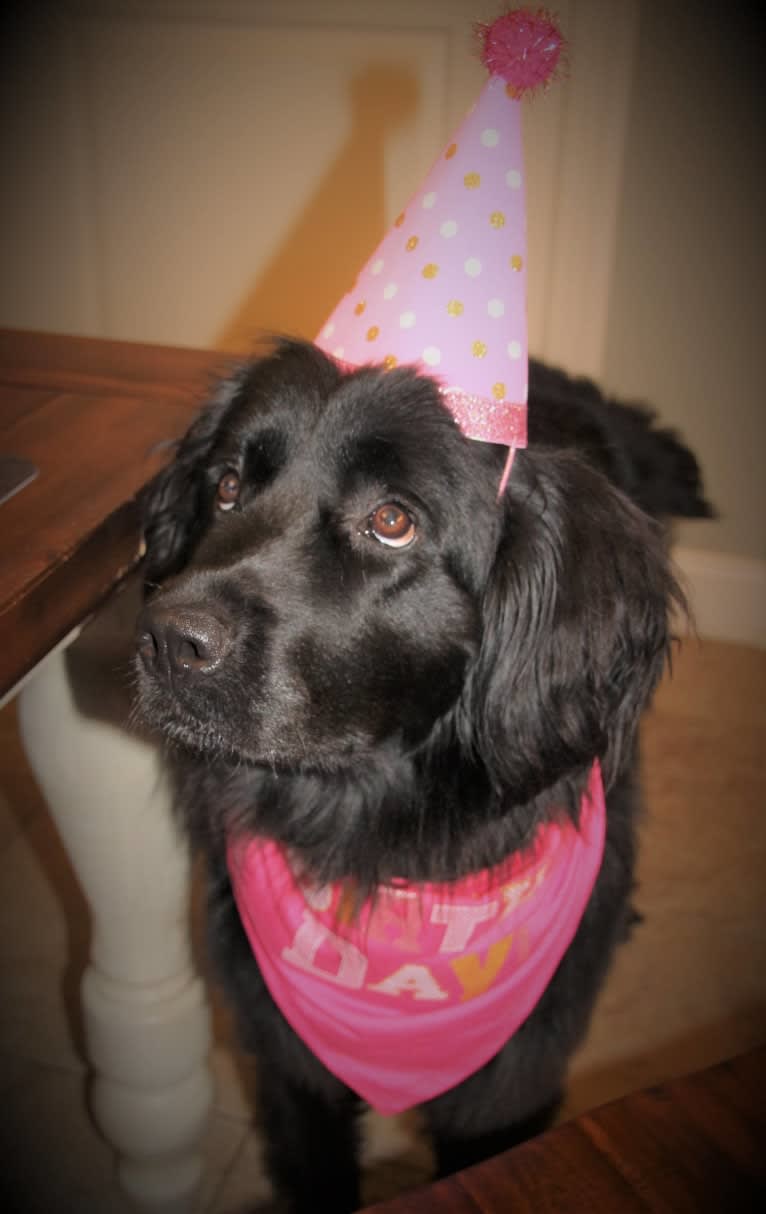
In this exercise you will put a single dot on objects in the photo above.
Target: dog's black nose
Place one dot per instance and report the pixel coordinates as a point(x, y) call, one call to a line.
point(182, 640)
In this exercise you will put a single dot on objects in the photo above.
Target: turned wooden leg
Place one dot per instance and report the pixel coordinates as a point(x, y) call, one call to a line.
point(145, 1015)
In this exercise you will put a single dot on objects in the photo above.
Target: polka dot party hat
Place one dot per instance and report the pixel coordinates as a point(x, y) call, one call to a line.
point(446, 288)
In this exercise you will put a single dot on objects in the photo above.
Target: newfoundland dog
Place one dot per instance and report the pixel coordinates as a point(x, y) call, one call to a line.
point(402, 716)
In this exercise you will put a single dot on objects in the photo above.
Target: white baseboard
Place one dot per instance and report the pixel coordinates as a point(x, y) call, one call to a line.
point(727, 594)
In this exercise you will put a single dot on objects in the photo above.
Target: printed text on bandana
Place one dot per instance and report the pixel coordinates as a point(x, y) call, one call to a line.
point(408, 950)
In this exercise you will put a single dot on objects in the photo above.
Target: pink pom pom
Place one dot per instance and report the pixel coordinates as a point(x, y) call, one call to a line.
point(524, 47)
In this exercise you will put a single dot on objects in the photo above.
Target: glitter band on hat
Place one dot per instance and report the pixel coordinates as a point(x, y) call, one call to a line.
point(445, 290)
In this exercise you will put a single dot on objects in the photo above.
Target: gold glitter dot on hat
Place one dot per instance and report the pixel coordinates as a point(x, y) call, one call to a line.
point(372, 333)
point(399, 220)
point(497, 219)
point(450, 152)
point(479, 349)
point(516, 262)
point(455, 308)
point(431, 270)
point(360, 307)
point(498, 391)
point(411, 244)
point(472, 181)
point(389, 362)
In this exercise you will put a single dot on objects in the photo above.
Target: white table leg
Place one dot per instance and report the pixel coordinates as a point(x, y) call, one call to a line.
point(146, 1019)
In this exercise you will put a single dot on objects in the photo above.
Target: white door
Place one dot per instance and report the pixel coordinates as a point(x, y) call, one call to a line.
point(194, 172)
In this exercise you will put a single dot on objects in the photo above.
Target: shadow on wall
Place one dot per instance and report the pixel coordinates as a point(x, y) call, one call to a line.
point(340, 226)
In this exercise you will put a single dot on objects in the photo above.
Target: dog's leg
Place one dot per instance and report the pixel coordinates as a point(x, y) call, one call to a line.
point(306, 1116)
point(455, 1151)
point(311, 1144)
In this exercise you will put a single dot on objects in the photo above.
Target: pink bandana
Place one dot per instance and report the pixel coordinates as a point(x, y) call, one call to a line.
point(426, 983)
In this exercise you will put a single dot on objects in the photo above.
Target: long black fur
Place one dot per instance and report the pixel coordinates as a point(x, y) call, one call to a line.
point(412, 713)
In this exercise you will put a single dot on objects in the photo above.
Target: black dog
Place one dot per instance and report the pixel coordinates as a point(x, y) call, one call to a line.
point(357, 652)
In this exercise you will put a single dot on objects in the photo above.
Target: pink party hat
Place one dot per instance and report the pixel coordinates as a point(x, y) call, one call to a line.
point(446, 289)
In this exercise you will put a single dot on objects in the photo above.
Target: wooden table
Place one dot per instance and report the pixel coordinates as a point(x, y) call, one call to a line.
point(693, 1146)
point(90, 414)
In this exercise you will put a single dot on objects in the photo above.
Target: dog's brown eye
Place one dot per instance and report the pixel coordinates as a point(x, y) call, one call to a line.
point(392, 525)
point(227, 492)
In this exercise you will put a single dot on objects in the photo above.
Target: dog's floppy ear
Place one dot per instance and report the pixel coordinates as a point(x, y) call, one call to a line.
point(172, 506)
point(575, 626)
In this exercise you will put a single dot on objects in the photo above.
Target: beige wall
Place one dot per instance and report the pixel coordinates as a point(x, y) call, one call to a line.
point(686, 315)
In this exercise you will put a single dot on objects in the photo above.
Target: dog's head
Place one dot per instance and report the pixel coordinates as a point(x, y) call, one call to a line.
point(337, 581)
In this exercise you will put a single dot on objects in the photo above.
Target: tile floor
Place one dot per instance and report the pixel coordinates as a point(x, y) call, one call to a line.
point(688, 990)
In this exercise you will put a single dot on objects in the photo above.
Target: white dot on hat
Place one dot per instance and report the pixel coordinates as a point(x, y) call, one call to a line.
point(407, 320)
point(389, 290)
point(377, 266)
point(432, 355)
point(472, 267)
point(329, 329)
point(513, 178)
point(428, 201)
point(496, 308)
point(490, 137)
point(514, 349)
point(339, 351)
point(448, 228)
